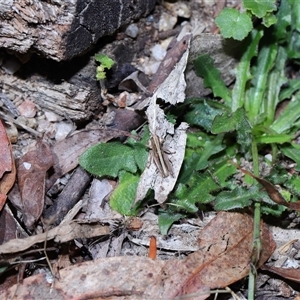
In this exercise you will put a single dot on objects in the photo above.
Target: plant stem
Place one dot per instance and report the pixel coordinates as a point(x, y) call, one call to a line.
point(256, 246)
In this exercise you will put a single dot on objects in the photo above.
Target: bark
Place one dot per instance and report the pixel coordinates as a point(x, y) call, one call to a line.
point(77, 100)
point(60, 29)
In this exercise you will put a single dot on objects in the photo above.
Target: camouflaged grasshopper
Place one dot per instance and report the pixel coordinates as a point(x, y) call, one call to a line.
point(160, 157)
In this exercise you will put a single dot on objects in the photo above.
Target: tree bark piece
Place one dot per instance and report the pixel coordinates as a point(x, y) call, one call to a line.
point(69, 196)
point(77, 101)
point(60, 29)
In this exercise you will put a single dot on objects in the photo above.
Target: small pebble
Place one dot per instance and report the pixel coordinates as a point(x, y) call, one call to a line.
point(51, 116)
point(27, 109)
point(268, 157)
point(158, 52)
point(166, 22)
point(151, 68)
point(179, 9)
point(132, 30)
point(62, 130)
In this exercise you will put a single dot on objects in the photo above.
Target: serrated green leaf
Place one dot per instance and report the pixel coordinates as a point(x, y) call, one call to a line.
point(108, 159)
point(166, 220)
point(269, 19)
point(204, 66)
point(196, 140)
point(234, 121)
point(210, 148)
point(260, 8)
point(198, 190)
point(238, 198)
point(202, 114)
point(283, 20)
point(123, 196)
point(274, 210)
point(222, 171)
point(241, 197)
point(234, 24)
point(197, 158)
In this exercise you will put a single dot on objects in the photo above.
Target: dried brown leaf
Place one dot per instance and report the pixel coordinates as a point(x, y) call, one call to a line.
point(5, 153)
point(223, 257)
point(32, 170)
point(273, 193)
point(61, 234)
point(7, 166)
point(287, 273)
point(8, 227)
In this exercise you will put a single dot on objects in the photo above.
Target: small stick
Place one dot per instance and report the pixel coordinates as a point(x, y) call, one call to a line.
point(152, 248)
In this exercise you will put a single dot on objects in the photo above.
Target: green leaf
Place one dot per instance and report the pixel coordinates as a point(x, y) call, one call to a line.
point(108, 159)
point(166, 219)
point(204, 66)
point(291, 113)
point(293, 185)
point(260, 8)
point(198, 190)
point(275, 81)
point(274, 138)
point(140, 148)
point(238, 198)
point(234, 121)
point(243, 70)
point(202, 114)
point(283, 20)
point(123, 196)
point(234, 24)
point(269, 19)
point(104, 60)
point(255, 95)
point(293, 152)
point(274, 210)
point(106, 64)
point(100, 73)
point(293, 86)
point(197, 157)
point(210, 148)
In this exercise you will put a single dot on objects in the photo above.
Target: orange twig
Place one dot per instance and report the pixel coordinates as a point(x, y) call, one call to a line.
point(152, 248)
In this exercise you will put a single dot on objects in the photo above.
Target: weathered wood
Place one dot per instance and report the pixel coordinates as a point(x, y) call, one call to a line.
point(62, 29)
point(77, 101)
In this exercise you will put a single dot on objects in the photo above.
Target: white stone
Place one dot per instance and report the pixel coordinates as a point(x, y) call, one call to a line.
point(132, 30)
point(166, 22)
point(158, 52)
point(51, 116)
point(62, 130)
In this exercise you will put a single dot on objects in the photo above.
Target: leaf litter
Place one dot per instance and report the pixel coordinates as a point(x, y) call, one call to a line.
point(197, 265)
point(224, 246)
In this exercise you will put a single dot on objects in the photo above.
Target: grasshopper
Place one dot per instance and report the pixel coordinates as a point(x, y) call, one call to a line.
point(160, 158)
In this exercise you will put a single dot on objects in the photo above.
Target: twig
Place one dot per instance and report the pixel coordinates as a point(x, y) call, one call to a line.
point(12, 120)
